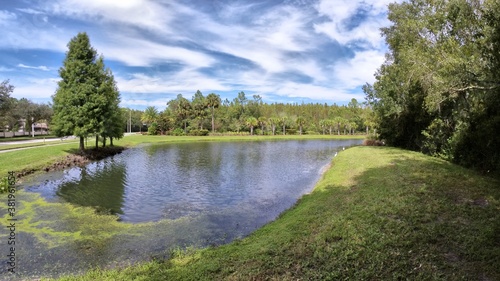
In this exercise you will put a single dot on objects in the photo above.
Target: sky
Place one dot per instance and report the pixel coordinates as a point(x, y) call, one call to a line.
point(289, 51)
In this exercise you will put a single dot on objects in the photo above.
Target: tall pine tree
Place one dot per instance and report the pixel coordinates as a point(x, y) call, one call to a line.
point(87, 97)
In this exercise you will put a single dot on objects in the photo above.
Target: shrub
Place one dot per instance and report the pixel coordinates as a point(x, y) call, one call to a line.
point(195, 132)
point(178, 132)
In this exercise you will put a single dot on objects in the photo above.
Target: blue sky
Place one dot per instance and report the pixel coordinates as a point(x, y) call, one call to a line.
point(284, 51)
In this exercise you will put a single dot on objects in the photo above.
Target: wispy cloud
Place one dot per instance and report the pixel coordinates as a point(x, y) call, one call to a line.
point(41, 67)
point(319, 50)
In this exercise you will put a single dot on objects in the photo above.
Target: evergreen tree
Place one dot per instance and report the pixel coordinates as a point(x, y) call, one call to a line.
point(76, 105)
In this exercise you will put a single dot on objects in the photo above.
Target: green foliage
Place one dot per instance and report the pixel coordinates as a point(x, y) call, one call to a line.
point(178, 132)
point(201, 132)
point(438, 90)
point(86, 100)
point(153, 129)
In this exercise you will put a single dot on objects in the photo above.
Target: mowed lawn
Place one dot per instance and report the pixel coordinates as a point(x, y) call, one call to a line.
point(378, 213)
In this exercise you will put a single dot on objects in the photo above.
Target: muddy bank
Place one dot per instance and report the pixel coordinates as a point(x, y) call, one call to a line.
point(76, 159)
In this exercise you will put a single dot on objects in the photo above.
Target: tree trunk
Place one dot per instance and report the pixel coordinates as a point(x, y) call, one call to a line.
point(82, 144)
point(96, 141)
point(274, 129)
point(262, 129)
point(283, 129)
point(111, 141)
point(104, 142)
point(300, 130)
point(330, 130)
point(367, 130)
point(251, 130)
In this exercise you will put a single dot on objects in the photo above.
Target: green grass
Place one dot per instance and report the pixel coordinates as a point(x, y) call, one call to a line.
point(42, 155)
point(378, 214)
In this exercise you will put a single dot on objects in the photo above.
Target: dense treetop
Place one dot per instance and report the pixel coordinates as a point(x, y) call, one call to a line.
point(439, 89)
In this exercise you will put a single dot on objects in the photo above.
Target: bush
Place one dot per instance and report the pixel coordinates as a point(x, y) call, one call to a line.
point(178, 132)
point(153, 129)
point(195, 132)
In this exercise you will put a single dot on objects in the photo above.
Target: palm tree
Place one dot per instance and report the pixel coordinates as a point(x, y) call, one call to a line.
point(149, 115)
point(282, 122)
point(339, 121)
point(323, 124)
point(251, 122)
point(262, 122)
point(213, 102)
point(300, 122)
point(273, 121)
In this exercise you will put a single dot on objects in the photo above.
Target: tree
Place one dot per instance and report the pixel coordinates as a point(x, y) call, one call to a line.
point(181, 107)
point(438, 91)
point(273, 121)
point(114, 117)
point(199, 106)
point(262, 122)
point(150, 115)
point(77, 106)
point(323, 124)
point(213, 102)
point(282, 121)
point(5, 101)
point(251, 122)
point(301, 121)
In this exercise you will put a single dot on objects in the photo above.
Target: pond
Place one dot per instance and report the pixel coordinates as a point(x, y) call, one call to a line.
point(152, 199)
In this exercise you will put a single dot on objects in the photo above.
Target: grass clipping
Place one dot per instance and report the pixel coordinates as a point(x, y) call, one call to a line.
point(378, 214)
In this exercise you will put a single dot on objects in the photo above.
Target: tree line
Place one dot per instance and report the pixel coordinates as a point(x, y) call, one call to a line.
point(204, 114)
point(439, 89)
point(13, 111)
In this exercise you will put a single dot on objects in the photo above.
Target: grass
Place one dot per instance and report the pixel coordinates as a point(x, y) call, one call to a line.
point(377, 214)
point(42, 155)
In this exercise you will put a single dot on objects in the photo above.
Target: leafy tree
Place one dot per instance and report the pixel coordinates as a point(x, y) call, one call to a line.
point(438, 90)
point(5, 101)
point(213, 102)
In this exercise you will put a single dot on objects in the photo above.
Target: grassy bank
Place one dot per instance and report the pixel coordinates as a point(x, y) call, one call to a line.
point(378, 214)
point(42, 155)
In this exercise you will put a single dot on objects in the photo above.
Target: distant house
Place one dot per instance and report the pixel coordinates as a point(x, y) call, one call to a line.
point(41, 127)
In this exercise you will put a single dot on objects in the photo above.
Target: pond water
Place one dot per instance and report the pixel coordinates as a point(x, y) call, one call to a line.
point(151, 199)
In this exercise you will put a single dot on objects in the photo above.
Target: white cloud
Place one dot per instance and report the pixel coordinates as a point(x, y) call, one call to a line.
point(140, 52)
point(360, 69)
point(340, 11)
point(41, 67)
point(34, 88)
point(158, 103)
point(144, 13)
